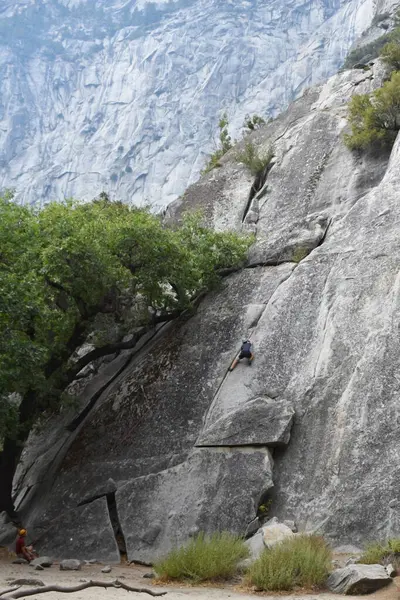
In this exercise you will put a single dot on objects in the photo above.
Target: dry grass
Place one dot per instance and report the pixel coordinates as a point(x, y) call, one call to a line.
point(299, 562)
point(205, 558)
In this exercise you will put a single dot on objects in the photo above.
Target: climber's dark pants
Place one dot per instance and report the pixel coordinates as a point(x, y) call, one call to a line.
point(245, 355)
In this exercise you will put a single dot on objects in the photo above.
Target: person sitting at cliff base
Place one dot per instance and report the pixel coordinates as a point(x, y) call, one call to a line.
point(21, 549)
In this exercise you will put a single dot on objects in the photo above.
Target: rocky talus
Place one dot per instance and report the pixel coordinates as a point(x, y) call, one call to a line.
point(168, 442)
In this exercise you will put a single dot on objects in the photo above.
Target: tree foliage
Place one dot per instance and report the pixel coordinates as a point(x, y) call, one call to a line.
point(391, 54)
point(73, 272)
point(254, 160)
point(375, 118)
point(251, 123)
point(224, 145)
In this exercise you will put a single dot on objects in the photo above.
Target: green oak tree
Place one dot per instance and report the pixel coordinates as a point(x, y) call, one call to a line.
point(96, 271)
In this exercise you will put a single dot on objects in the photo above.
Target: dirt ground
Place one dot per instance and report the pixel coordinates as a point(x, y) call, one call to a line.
point(133, 575)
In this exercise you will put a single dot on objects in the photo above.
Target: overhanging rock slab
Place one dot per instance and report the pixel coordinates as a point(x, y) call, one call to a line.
point(82, 533)
point(261, 421)
point(214, 490)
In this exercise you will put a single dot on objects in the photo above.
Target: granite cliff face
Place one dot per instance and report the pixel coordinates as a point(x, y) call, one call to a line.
point(168, 442)
point(125, 96)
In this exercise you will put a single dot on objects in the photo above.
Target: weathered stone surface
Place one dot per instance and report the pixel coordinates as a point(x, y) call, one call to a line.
point(259, 422)
point(20, 561)
point(213, 490)
point(267, 536)
point(358, 579)
point(255, 545)
point(82, 533)
point(70, 564)
point(290, 245)
point(42, 561)
point(390, 570)
point(274, 532)
point(106, 569)
point(291, 524)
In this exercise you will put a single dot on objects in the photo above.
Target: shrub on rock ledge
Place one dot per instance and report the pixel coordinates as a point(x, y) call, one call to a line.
point(301, 561)
point(375, 118)
point(205, 558)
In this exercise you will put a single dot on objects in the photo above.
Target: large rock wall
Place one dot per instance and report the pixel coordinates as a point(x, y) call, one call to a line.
point(169, 441)
point(125, 97)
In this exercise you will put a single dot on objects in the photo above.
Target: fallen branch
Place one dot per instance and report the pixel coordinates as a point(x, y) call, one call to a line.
point(9, 590)
point(11, 595)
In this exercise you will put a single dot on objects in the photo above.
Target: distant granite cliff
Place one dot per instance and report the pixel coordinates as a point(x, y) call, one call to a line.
point(124, 96)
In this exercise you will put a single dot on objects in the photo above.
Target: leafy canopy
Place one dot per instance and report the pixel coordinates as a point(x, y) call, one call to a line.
point(375, 118)
point(73, 269)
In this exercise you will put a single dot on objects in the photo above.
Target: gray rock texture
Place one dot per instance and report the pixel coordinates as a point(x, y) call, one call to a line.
point(41, 561)
point(259, 422)
point(126, 96)
point(214, 490)
point(268, 536)
point(358, 579)
point(70, 564)
point(86, 531)
point(325, 329)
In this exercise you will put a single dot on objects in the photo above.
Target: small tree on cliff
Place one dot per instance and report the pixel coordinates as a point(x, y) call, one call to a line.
point(73, 269)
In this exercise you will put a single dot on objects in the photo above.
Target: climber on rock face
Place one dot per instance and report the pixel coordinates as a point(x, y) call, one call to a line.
point(245, 352)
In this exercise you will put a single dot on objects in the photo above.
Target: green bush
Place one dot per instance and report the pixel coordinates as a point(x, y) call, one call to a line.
point(252, 123)
point(373, 554)
point(367, 52)
point(301, 561)
point(391, 55)
point(375, 118)
point(376, 552)
point(253, 160)
point(205, 558)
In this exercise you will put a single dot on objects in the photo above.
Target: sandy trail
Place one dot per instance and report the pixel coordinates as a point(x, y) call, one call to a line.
point(133, 575)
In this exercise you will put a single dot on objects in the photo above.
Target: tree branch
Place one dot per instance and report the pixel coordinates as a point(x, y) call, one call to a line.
point(9, 590)
point(7, 595)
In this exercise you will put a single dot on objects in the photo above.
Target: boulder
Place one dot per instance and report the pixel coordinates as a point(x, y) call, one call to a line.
point(267, 536)
point(82, 533)
point(41, 561)
point(106, 569)
point(358, 579)
point(255, 545)
point(291, 524)
point(261, 421)
point(20, 561)
point(390, 570)
point(213, 490)
point(70, 564)
point(274, 532)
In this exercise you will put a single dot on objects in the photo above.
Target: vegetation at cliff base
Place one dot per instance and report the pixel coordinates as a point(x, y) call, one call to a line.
point(302, 561)
point(74, 273)
point(205, 558)
point(375, 118)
